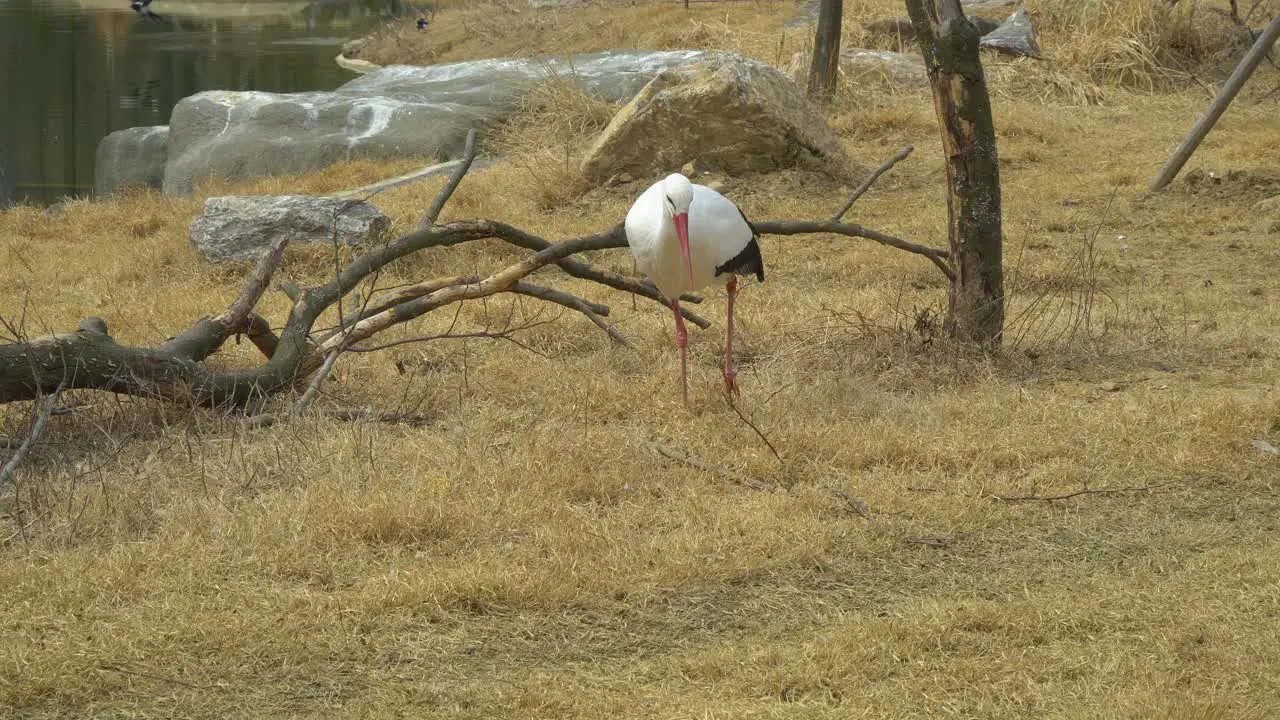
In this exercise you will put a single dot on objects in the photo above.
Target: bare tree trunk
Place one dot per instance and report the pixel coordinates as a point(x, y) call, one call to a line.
point(1234, 84)
point(825, 67)
point(949, 43)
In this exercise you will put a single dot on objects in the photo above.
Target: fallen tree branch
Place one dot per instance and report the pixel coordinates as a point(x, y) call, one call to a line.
point(313, 388)
point(42, 415)
point(204, 339)
point(437, 206)
point(866, 184)
point(479, 334)
point(495, 283)
point(808, 227)
point(613, 237)
point(595, 312)
point(175, 370)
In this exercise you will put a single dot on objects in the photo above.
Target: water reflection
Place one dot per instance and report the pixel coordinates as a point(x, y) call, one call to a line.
point(72, 71)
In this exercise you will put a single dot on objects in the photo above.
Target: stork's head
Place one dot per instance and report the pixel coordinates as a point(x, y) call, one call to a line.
point(678, 193)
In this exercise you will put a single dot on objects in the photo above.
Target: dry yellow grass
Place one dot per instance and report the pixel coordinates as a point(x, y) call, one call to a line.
point(1146, 45)
point(483, 29)
point(526, 555)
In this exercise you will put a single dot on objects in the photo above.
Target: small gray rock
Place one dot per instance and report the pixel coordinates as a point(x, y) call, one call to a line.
point(243, 227)
point(352, 48)
point(1266, 447)
point(1015, 36)
point(94, 324)
point(134, 157)
point(57, 209)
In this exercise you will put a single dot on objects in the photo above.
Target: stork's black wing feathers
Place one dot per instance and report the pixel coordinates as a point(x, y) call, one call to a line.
point(749, 261)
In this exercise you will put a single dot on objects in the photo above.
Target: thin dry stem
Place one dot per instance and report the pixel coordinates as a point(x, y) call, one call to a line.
point(44, 412)
point(684, 458)
point(866, 184)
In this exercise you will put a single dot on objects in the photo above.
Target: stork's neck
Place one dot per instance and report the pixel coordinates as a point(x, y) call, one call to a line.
point(667, 236)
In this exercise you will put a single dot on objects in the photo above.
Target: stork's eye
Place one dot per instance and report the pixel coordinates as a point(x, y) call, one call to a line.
point(671, 204)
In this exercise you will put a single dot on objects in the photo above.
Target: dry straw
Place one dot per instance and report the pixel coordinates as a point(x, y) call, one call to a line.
point(528, 555)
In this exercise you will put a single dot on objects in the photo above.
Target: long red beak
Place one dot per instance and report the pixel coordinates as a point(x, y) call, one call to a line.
point(682, 230)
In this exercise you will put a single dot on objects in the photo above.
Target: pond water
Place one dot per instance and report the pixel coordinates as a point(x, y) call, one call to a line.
point(72, 71)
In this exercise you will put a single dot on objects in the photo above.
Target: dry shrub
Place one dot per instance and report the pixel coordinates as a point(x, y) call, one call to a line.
point(548, 135)
point(1139, 44)
point(1044, 82)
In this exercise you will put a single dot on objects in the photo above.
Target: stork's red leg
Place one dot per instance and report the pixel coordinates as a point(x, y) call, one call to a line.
point(682, 340)
point(730, 373)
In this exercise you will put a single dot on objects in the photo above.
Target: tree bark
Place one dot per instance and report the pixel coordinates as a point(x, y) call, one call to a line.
point(949, 44)
point(825, 66)
point(1234, 84)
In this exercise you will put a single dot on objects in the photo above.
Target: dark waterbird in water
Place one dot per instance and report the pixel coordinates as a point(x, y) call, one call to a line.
point(143, 8)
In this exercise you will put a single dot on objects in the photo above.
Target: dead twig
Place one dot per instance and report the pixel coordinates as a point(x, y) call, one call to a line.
point(149, 676)
point(590, 309)
point(1077, 493)
point(671, 453)
point(43, 412)
point(437, 206)
point(346, 415)
point(866, 184)
point(313, 388)
point(752, 425)
point(506, 334)
point(933, 542)
point(859, 507)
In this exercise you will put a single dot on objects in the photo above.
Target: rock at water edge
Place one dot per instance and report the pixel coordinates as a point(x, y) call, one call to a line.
point(134, 157)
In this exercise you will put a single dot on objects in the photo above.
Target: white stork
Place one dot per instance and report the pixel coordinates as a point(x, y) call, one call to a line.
point(683, 237)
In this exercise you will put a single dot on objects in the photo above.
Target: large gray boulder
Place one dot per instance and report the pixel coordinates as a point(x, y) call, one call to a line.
point(728, 113)
point(243, 227)
point(134, 157)
point(393, 112)
point(1015, 36)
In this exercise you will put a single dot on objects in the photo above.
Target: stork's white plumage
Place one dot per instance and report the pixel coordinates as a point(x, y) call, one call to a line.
point(685, 236)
